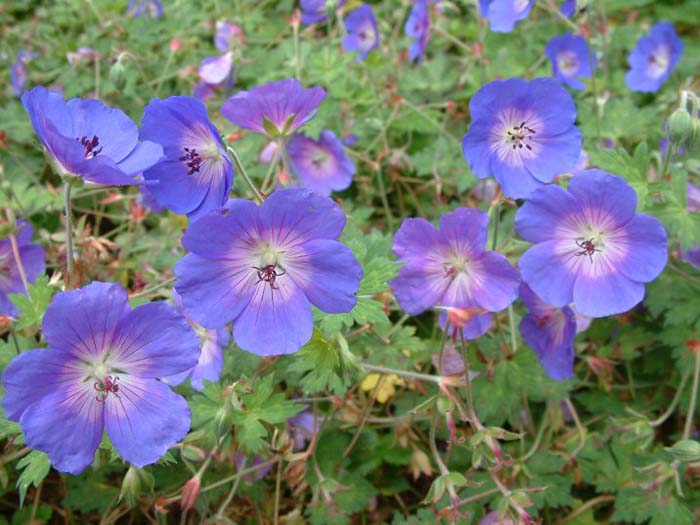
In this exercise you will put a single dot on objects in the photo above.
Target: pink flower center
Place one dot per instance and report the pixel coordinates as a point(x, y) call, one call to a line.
point(106, 386)
point(269, 274)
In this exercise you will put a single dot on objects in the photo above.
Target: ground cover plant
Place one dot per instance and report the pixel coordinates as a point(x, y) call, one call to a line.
point(332, 262)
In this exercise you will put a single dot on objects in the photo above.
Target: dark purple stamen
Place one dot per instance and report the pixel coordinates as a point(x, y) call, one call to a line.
point(520, 135)
point(192, 160)
point(90, 145)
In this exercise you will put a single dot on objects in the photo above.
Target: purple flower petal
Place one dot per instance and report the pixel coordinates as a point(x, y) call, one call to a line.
point(82, 322)
point(363, 33)
point(504, 14)
point(571, 59)
point(595, 250)
point(523, 133)
point(321, 165)
point(260, 268)
point(275, 322)
point(145, 419)
point(85, 138)
point(550, 332)
point(196, 175)
point(285, 104)
point(154, 340)
point(206, 291)
point(214, 70)
point(328, 275)
point(449, 267)
point(66, 424)
point(654, 58)
point(32, 375)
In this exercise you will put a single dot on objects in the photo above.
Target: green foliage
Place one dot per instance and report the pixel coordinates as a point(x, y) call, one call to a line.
point(619, 456)
point(262, 404)
point(32, 308)
point(35, 466)
point(325, 364)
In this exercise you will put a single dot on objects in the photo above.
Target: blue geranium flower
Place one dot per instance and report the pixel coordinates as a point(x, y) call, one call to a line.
point(101, 372)
point(653, 58)
point(275, 109)
point(147, 8)
point(568, 8)
point(321, 165)
point(262, 267)
point(363, 33)
point(571, 59)
point(418, 27)
point(504, 14)
point(195, 176)
point(550, 332)
point(450, 267)
point(591, 247)
point(522, 133)
point(89, 140)
point(33, 261)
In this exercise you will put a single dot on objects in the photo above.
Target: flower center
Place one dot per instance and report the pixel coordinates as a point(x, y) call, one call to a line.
point(105, 386)
point(588, 247)
point(519, 137)
point(659, 60)
point(269, 268)
point(454, 267)
point(192, 160)
point(319, 159)
point(90, 145)
point(567, 62)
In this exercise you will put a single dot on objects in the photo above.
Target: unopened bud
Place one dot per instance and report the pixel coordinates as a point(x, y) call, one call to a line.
point(679, 126)
point(687, 451)
point(189, 493)
point(117, 73)
point(223, 421)
point(135, 480)
point(692, 141)
point(175, 45)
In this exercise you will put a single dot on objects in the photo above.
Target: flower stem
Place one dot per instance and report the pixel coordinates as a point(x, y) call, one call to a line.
point(237, 161)
point(667, 159)
point(470, 395)
point(297, 51)
point(579, 427)
point(232, 493)
point(385, 201)
point(238, 475)
point(403, 373)
point(69, 236)
point(15, 250)
point(663, 417)
point(693, 397)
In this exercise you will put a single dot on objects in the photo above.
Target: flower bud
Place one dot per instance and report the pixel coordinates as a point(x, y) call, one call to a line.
point(679, 126)
point(190, 492)
point(692, 141)
point(134, 481)
point(222, 422)
point(117, 73)
point(687, 451)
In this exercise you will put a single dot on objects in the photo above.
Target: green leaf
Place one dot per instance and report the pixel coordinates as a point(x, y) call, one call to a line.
point(32, 308)
point(639, 506)
point(324, 365)
point(261, 404)
point(35, 466)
